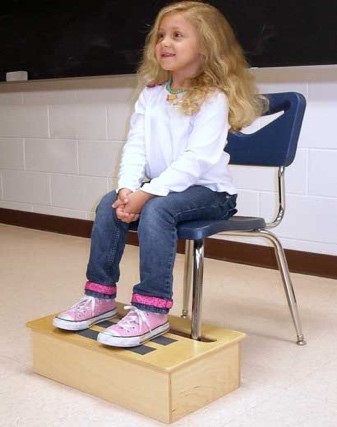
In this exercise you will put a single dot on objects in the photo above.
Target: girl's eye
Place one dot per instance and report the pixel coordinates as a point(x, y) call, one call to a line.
point(177, 35)
point(160, 36)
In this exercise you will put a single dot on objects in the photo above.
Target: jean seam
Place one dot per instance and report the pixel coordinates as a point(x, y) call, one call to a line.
point(170, 269)
point(196, 209)
point(213, 206)
point(111, 256)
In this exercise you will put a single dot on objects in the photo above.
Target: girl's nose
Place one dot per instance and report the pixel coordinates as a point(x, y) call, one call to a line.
point(165, 41)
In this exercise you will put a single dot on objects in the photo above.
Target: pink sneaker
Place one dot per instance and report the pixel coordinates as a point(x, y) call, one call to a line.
point(87, 311)
point(135, 328)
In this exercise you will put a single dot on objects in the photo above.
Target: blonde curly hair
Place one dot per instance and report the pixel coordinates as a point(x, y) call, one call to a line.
point(223, 65)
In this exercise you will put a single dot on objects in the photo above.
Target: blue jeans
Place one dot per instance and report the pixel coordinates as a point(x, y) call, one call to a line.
point(157, 234)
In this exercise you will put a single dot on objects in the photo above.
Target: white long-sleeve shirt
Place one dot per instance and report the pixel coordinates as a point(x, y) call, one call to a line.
point(174, 150)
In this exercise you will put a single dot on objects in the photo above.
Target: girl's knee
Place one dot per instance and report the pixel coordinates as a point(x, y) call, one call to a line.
point(152, 208)
point(155, 211)
point(106, 201)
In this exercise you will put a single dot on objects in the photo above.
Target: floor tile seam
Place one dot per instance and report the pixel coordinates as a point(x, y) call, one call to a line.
point(321, 399)
point(307, 378)
point(330, 358)
point(252, 406)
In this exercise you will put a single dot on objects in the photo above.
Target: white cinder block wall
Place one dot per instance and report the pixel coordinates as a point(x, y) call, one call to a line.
point(61, 140)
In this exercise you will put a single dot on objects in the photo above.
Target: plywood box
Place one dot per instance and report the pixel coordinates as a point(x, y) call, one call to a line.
point(164, 379)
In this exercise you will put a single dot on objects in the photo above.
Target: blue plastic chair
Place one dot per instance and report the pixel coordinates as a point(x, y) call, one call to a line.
point(274, 145)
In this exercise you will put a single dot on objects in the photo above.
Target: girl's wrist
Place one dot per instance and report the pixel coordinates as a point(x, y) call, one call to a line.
point(146, 196)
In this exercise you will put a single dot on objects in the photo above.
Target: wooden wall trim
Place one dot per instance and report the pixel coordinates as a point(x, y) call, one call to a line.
point(243, 253)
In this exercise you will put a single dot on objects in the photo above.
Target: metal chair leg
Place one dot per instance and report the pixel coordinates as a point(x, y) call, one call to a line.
point(195, 252)
point(187, 277)
point(287, 283)
point(198, 271)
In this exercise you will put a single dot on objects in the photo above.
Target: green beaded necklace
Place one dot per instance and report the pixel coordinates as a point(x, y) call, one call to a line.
point(172, 93)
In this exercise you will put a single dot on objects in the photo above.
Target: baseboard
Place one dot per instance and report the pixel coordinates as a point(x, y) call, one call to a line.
point(243, 253)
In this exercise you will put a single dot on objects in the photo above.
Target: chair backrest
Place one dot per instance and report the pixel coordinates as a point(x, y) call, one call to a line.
point(274, 144)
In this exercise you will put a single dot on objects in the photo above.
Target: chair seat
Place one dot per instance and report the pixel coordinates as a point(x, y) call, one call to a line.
point(197, 230)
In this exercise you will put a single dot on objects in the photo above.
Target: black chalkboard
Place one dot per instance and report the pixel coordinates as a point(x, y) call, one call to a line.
point(73, 38)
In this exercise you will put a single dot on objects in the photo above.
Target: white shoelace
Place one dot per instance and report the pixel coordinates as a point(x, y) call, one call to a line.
point(84, 303)
point(134, 319)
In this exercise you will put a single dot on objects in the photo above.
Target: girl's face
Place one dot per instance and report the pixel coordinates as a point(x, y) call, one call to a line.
point(177, 48)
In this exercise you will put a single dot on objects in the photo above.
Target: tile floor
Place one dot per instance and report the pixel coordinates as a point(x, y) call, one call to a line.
point(282, 384)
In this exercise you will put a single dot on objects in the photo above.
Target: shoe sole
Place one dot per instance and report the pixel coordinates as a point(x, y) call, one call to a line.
point(115, 341)
point(72, 325)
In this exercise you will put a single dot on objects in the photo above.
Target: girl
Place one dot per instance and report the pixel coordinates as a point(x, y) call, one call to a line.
point(173, 167)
